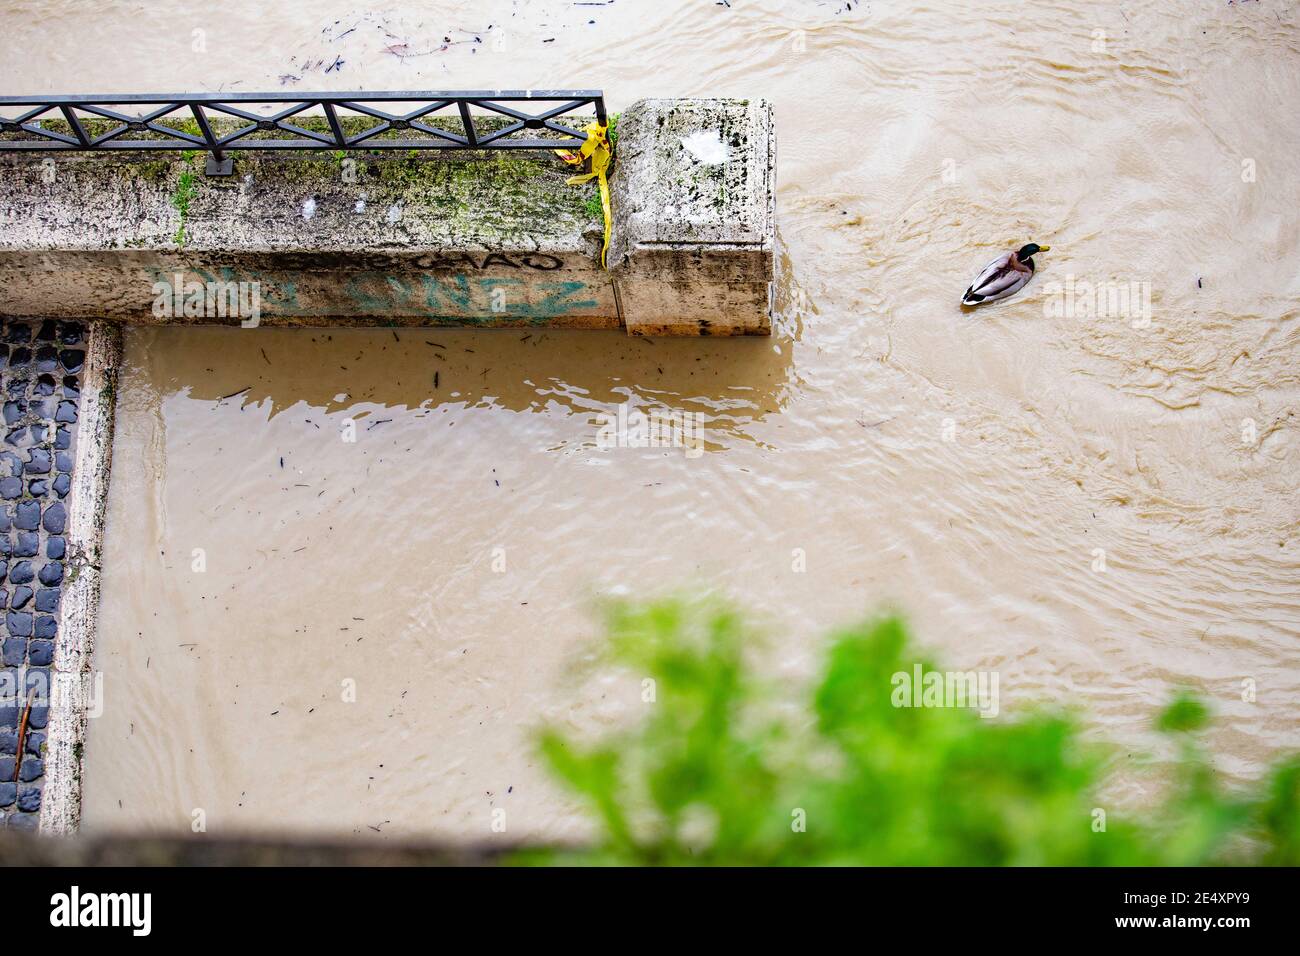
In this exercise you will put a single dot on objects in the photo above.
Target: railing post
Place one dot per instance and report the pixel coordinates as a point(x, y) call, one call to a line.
point(219, 164)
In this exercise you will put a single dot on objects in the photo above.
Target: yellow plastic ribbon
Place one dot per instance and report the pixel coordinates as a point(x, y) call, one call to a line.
point(595, 155)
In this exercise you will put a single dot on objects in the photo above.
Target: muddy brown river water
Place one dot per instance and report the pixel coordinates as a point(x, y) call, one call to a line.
point(1091, 489)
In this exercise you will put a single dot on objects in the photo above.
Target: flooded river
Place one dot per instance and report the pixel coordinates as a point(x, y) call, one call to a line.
point(1090, 488)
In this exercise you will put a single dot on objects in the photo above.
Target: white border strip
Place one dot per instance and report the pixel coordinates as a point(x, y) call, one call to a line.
point(75, 643)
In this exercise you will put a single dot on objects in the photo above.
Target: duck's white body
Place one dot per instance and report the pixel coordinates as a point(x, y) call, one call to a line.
point(1006, 275)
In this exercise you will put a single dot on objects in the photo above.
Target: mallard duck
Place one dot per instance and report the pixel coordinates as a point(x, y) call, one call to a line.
point(1006, 275)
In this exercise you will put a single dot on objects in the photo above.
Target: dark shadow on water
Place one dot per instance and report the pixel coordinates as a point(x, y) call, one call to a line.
point(731, 382)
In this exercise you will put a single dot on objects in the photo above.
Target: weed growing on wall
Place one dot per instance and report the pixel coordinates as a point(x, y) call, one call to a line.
point(184, 195)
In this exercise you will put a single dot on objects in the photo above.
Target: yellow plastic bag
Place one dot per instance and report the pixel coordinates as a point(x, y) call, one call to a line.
point(595, 155)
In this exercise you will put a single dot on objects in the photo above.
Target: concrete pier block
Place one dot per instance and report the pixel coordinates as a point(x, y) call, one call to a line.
point(694, 236)
point(484, 239)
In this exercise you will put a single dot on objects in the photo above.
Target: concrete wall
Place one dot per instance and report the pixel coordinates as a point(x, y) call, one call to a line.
point(440, 238)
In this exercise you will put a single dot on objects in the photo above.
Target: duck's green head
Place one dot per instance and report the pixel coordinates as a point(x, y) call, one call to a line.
point(1029, 250)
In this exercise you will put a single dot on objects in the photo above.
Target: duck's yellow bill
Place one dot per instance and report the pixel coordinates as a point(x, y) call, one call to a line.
point(1044, 248)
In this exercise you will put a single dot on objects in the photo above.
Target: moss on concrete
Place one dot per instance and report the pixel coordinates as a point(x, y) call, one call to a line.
point(506, 197)
point(509, 199)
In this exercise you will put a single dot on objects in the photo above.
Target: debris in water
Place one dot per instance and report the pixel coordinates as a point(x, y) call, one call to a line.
point(22, 734)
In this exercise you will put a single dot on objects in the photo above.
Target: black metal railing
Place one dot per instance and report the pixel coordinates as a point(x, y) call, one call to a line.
point(341, 121)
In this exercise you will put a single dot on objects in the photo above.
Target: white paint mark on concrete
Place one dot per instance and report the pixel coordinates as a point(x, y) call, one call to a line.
point(394, 212)
point(706, 146)
point(308, 208)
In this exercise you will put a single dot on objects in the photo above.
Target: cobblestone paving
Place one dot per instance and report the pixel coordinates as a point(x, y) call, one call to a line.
point(40, 378)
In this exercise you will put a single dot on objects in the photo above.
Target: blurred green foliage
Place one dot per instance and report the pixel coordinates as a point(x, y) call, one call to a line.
point(719, 772)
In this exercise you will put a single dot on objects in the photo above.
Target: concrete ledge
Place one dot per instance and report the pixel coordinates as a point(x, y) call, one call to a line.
point(73, 684)
point(438, 238)
point(497, 239)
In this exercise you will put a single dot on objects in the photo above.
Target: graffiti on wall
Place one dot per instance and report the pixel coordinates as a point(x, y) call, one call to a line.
point(464, 260)
point(463, 296)
point(458, 296)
